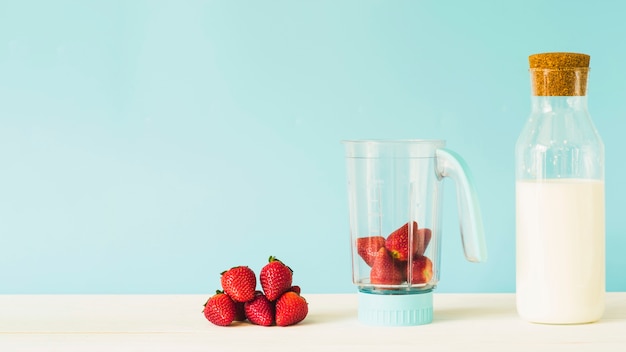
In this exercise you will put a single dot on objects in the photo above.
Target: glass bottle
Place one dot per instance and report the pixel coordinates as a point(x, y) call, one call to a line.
point(560, 221)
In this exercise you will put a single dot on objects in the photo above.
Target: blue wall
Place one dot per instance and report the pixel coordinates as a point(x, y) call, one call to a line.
point(146, 146)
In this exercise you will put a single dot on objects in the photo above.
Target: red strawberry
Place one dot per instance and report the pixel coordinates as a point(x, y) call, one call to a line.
point(295, 289)
point(220, 309)
point(260, 311)
point(240, 311)
point(421, 270)
point(423, 239)
point(291, 308)
point(386, 270)
point(239, 283)
point(275, 278)
point(398, 242)
point(367, 247)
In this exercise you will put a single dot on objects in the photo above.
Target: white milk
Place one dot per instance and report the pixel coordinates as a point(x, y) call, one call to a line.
point(560, 251)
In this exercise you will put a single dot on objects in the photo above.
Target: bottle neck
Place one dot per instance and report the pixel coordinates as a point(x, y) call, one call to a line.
point(546, 104)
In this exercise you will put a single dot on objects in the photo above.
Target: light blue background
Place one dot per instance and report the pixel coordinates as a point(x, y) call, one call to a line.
point(146, 146)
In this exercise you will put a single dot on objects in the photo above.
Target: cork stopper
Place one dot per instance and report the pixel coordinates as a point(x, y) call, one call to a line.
point(559, 74)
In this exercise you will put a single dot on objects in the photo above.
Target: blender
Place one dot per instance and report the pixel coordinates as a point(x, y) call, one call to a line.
point(395, 203)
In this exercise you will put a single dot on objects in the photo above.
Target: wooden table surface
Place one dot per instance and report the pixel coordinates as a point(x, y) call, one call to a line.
point(462, 322)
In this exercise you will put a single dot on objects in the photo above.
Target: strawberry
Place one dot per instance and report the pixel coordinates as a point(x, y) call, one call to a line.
point(423, 239)
point(295, 289)
point(421, 269)
point(260, 311)
point(398, 242)
point(220, 309)
point(240, 311)
point(367, 247)
point(291, 308)
point(275, 278)
point(386, 270)
point(239, 283)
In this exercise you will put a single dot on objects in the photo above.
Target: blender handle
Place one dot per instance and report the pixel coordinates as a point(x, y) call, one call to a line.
point(450, 164)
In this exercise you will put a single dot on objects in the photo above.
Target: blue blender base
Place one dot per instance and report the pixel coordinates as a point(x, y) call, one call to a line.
point(396, 310)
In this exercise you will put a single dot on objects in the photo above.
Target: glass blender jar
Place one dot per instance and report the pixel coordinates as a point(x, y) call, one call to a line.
point(395, 202)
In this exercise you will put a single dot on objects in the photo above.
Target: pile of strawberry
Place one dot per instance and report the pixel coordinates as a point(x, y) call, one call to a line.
point(389, 257)
point(279, 303)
